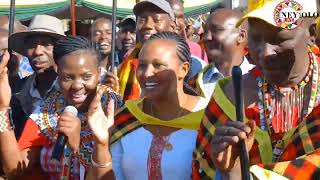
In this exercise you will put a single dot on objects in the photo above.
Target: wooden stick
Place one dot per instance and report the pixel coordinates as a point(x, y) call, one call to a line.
point(73, 17)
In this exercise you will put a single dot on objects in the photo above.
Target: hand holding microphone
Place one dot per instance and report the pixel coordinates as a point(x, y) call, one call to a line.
point(69, 127)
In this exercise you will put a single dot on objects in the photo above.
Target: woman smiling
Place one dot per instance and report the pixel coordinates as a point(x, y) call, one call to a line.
point(78, 78)
point(154, 138)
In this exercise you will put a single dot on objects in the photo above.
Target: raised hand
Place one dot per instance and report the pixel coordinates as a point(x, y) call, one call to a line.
point(224, 144)
point(70, 126)
point(100, 121)
point(5, 90)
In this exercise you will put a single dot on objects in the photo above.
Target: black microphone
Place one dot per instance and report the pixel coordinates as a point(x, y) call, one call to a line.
point(62, 139)
point(238, 86)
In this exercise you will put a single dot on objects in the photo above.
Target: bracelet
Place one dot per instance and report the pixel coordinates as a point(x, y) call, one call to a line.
point(106, 165)
point(6, 123)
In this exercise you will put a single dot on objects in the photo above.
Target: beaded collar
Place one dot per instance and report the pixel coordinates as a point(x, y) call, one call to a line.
point(45, 116)
point(267, 97)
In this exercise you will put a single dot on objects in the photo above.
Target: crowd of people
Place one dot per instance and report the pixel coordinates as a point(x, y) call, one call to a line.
point(167, 111)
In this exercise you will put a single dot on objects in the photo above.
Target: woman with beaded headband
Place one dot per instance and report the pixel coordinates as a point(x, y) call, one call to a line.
point(281, 99)
point(78, 78)
point(154, 138)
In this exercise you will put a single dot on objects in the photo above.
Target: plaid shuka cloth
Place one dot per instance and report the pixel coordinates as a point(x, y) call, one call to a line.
point(124, 123)
point(202, 166)
point(300, 158)
point(129, 87)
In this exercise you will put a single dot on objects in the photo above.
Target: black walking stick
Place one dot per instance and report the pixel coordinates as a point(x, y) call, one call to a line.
point(11, 21)
point(238, 87)
point(113, 40)
point(11, 16)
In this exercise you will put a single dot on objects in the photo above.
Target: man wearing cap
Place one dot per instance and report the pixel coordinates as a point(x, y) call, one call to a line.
point(126, 37)
point(153, 16)
point(281, 104)
point(36, 43)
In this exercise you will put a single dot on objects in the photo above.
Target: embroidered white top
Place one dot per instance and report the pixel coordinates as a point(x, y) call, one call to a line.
point(130, 153)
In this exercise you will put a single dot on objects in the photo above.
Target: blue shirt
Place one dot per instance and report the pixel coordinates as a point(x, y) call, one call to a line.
point(25, 68)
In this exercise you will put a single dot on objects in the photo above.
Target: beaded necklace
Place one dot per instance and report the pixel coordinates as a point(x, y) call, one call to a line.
point(274, 100)
point(289, 102)
point(46, 118)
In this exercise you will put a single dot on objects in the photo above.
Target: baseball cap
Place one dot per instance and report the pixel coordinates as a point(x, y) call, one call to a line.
point(161, 4)
point(128, 18)
point(265, 9)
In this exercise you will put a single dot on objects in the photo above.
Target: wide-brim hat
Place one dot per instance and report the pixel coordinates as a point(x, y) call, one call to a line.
point(270, 10)
point(39, 25)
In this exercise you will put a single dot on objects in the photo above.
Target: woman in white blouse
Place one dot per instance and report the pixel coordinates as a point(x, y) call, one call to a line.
point(153, 138)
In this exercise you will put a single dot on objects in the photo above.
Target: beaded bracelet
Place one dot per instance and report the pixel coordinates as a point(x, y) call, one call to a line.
point(6, 123)
point(94, 164)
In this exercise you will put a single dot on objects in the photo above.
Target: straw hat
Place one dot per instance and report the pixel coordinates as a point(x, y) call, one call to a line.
point(40, 24)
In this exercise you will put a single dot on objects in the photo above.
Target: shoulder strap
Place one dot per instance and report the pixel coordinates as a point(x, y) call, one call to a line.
point(125, 123)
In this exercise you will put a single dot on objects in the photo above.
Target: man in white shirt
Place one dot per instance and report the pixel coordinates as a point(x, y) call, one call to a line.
point(226, 47)
point(226, 44)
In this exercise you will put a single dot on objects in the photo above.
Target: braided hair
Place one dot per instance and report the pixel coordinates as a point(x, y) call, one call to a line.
point(183, 52)
point(71, 44)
